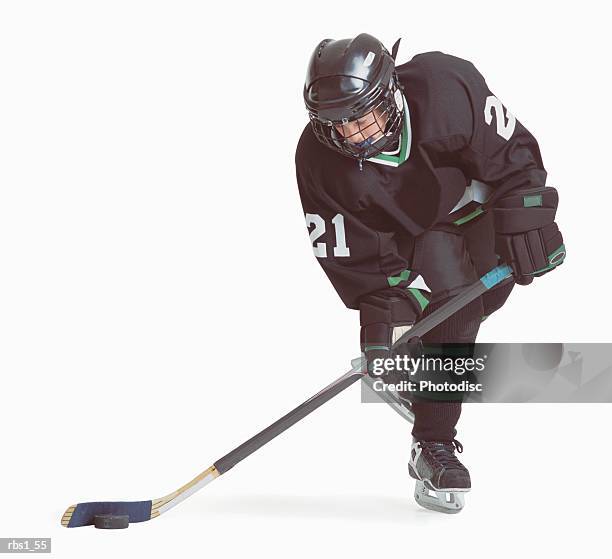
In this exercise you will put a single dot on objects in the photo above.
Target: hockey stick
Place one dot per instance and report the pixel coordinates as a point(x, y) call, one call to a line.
point(103, 514)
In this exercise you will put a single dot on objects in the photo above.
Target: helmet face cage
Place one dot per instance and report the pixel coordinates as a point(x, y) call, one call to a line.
point(369, 133)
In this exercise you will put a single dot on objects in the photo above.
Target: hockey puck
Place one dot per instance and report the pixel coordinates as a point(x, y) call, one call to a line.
point(111, 521)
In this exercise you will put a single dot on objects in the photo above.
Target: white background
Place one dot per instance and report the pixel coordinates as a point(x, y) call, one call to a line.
point(153, 255)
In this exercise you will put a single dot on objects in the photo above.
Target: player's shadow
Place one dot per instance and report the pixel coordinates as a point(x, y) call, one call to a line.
point(335, 507)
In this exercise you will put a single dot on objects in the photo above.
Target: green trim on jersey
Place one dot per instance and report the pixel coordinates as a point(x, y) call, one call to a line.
point(396, 280)
point(401, 155)
point(420, 298)
point(469, 216)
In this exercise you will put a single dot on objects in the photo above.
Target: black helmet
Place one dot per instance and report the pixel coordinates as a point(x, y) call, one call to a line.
point(353, 96)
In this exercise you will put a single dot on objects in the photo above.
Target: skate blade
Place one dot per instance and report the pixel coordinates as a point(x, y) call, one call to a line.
point(450, 501)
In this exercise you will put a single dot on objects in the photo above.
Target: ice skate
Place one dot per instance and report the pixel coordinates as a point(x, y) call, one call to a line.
point(442, 480)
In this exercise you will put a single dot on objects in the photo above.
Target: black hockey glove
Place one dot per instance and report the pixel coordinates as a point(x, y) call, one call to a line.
point(526, 235)
point(385, 316)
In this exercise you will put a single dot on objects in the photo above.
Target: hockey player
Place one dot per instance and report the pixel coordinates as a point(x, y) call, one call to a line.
point(415, 180)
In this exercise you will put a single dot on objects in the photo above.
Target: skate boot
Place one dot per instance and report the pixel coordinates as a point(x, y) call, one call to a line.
point(442, 480)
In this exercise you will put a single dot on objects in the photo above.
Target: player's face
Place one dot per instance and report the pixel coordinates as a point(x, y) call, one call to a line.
point(369, 127)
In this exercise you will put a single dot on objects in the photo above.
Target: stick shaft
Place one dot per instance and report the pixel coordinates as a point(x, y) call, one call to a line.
point(266, 435)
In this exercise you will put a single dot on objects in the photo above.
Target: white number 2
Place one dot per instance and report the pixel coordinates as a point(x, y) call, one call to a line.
point(504, 129)
point(320, 249)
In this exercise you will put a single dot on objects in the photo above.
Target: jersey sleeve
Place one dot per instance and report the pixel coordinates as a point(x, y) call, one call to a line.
point(475, 131)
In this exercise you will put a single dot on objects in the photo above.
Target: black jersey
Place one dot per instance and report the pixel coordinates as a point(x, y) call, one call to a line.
point(455, 131)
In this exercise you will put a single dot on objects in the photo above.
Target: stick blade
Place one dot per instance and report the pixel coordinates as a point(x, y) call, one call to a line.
point(84, 514)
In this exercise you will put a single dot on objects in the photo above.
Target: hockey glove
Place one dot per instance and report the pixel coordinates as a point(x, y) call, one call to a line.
point(385, 316)
point(526, 235)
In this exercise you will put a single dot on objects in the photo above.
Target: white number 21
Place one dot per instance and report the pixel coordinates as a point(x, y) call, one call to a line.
point(320, 249)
